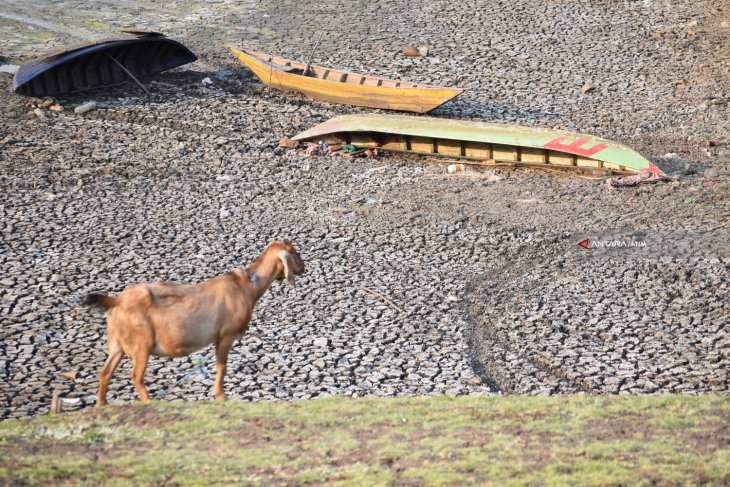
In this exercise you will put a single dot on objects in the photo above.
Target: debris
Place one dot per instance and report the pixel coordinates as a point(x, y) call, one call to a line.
point(378, 295)
point(712, 172)
point(143, 32)
point(423, 50)
point(452, 168)
point(305, 71)
point(587, 88)
point(339, 86)
point(689, 169)
point(645, 177)
point(206, 81)
point(287, 143)
point(670, 155)
point(490, 144)
point(70, 400)
point(39, 113)
point(56, 108)
point(79, 68)
point(411, 51)
point(9, 68)
point(86, 107)
point(314, 150)
point(70, 375)
point(129, 73)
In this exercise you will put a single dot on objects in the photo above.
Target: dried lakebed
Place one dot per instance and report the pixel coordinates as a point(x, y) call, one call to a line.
point(490, 295)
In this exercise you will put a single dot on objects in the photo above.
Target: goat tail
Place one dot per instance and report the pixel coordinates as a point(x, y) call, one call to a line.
point(101, 300)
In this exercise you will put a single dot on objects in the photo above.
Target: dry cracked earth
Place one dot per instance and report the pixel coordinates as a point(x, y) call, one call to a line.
point(487, 291)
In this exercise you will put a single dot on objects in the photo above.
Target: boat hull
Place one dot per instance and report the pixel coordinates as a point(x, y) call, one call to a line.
point(483, 143)
point(419, 100)
point(93, 65)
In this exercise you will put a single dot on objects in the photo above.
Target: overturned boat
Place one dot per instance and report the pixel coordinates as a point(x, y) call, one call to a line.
point(486, 143)
point(343, 87)
point(102, 63)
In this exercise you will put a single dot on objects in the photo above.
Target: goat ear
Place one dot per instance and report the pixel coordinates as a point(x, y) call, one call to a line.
point(286, 260)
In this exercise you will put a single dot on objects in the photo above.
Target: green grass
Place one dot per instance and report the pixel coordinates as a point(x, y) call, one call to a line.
point(608, 440)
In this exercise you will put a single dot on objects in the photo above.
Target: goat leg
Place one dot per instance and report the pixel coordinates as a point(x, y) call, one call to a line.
point(107, 371)
point(140, 364)
point(221, 352)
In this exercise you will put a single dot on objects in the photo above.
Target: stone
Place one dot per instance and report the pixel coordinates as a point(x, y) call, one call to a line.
point(587, 88)
point(321, 342)
point(410, 51)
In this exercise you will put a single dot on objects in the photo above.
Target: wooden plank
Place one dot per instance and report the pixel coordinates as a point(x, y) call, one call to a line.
point(586, 162)
point(361, 139)
point(448, 147)
point(561, 158)
point(505, 153)
point(423, 145)
point(534, 156)
point(477, 150)
point(395, 143)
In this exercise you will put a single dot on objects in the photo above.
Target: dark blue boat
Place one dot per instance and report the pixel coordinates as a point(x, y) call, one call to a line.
point(98, 64)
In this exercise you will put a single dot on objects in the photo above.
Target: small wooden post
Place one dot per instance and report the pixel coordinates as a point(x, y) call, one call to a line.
point(56, 403)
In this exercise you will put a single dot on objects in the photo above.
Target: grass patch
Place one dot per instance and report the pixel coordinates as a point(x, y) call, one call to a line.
point(341, 441)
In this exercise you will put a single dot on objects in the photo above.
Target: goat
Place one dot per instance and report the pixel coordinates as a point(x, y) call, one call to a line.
point(173, 320)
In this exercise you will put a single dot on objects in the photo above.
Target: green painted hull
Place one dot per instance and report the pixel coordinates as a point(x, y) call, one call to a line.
point(482, 141)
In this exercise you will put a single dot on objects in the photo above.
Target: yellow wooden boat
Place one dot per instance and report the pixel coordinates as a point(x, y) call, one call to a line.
point(338, 86)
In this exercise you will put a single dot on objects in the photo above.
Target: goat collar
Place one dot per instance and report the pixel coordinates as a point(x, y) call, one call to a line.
point(255, 280)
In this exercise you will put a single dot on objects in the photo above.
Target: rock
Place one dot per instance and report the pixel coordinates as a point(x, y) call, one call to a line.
point(423, 50)
point(712, 172)
point(587, 88)
point(73, 375)
point(39, 113)
point(321, 342)
point(56, 108)
point(410, 51)
point(8, 68)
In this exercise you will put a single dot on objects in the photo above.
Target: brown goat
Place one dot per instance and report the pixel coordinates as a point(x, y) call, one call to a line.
point(173, 320)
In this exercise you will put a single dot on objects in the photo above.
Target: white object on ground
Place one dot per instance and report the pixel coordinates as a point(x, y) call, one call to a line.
point(86, 107)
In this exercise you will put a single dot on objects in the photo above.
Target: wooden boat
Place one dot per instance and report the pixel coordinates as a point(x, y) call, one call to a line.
point(101, 63)
point(486, 143)
point(338, 86)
